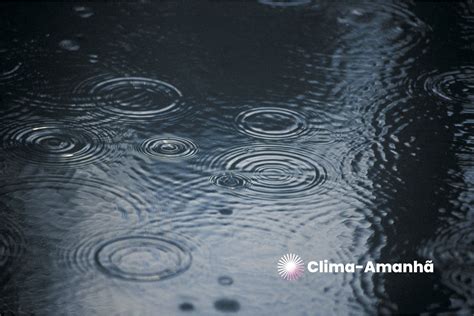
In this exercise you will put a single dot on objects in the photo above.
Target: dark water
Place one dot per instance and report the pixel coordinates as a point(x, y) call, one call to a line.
point(158, 158)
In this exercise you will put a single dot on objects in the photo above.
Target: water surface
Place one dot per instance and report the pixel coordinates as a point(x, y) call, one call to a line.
point(160, 157)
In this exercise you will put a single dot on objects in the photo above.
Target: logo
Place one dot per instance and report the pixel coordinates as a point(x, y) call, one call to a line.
point(290, 267)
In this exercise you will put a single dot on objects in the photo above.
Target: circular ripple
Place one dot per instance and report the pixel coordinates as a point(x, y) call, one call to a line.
point(57, 83)
point(127, 253)
point(172, 147)
point(456, 85)
point(274, 171)
point(139, 258)
point(134, 97)
point(346, 52)
point(271, 123)
point(57, 144)
point(230, 181)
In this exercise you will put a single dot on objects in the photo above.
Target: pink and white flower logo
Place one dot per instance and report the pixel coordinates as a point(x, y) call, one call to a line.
point(290, 267)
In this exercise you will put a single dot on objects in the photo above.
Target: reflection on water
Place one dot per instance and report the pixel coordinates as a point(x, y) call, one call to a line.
point(161, 157)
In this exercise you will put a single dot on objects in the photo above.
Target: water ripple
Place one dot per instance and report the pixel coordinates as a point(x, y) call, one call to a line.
point(230, 180)
point(132, 98)
point(58, 143)
point(9, 71)
point(273, 171)
point(452, 251)
point(456, 85)
point(271, 123)
point(171, 147)
point(12, 245)
point(394, 23)
point(128, 253)
point(140, 258)
point(97, 200)
point(232, 237)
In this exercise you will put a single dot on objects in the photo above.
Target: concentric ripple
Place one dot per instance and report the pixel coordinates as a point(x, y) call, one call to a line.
point(271, 123)
point(274, 171)
point(454, 85)
point(139, 258)
point(134, 97)
point(172, 147)
point(58, 144)
point(127, 253)
point(230, 181)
